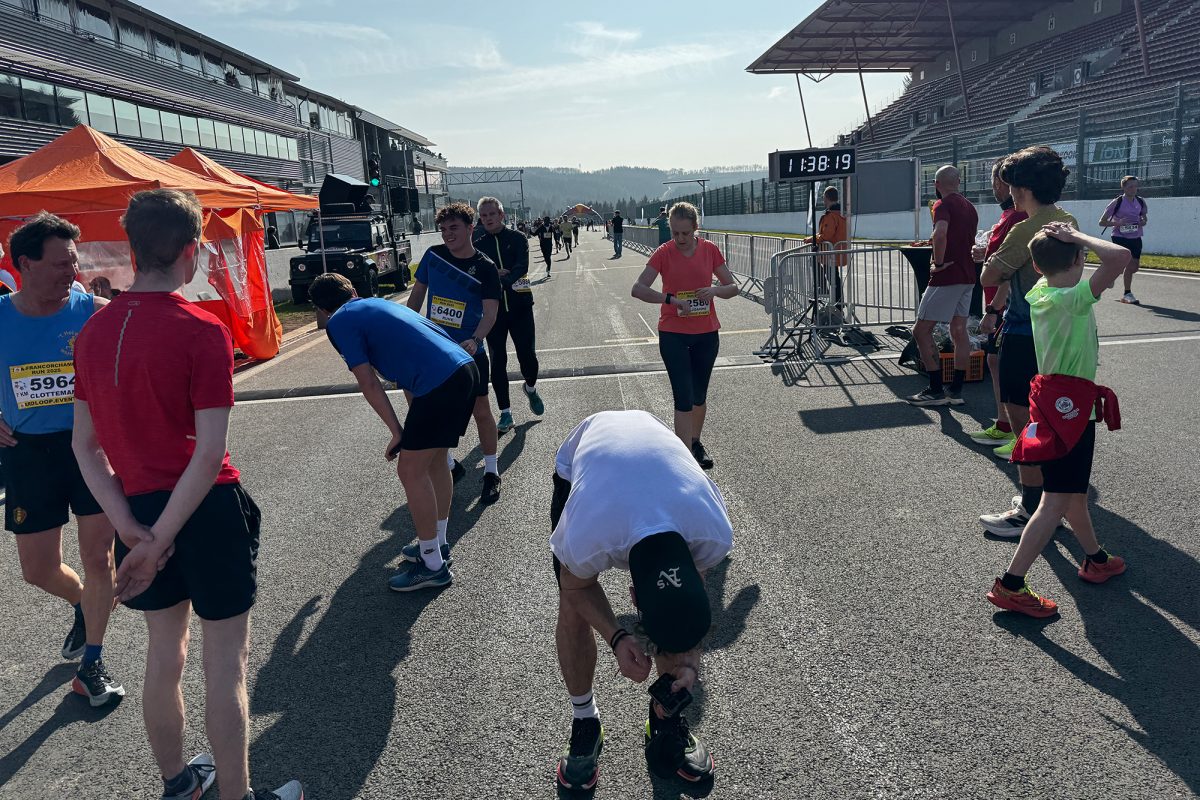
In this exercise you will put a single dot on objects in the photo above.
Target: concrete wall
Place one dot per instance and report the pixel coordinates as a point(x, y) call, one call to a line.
point(1172, 229)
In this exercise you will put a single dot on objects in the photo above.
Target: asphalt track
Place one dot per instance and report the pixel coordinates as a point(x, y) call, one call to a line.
point(853, 653)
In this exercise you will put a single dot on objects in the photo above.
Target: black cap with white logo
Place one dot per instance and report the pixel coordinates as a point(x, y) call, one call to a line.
point(670, 594)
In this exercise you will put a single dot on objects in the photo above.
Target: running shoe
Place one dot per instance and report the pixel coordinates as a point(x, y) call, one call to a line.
point(1007, 524)
point(292, 790)
point(928, 398)
point(993, 436)
point(418, 576)
point(954, 398)
point(1024, 600)
point(702, 457)
point(412, 552)
point(203, 772)
point(76, 640)
point(1005, 451)
point(1095, 572)
point(505, 424)
point(491, 488)
point(458, 471)
point(579, 767)
point(672, 750)
point(535, 401)
point(93, 682)
point(1130, 299)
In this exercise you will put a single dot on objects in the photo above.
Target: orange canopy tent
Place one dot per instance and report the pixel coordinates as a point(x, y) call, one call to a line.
point(88, 178)
point(270, 198)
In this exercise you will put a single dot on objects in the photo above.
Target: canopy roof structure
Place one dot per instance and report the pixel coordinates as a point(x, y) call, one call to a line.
point(270, 198)
point(883, 36)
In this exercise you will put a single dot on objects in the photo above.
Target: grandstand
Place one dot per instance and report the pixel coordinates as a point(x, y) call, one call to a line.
point(1071, 74)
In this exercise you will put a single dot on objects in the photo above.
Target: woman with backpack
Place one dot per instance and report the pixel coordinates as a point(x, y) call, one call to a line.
point(1127, 217)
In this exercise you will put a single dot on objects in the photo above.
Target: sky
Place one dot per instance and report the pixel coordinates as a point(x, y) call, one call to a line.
point(552, 84)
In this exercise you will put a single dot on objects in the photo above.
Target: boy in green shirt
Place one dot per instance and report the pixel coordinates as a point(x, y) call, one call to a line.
point(1064, 332)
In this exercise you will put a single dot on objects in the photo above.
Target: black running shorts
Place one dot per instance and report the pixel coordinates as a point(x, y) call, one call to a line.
point(1018, 366)
point(1072, 473)
point(215, 564)
point(1134, 246)
point(485, 372)
point(42, 482)
point(689, 359)
point(440, 417)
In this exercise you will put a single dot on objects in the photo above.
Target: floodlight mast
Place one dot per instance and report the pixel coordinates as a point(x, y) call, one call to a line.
point(703, 183)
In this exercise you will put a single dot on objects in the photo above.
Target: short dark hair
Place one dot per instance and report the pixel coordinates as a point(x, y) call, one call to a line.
point(461, 211)
point(159, 224)
point(1038, 169)
point(29, 240)
point(1052, 256)
point(831, 192)
point(330, 291)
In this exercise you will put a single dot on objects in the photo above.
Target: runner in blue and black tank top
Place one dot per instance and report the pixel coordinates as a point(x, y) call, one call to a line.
point(458, 287)
point(42, 482)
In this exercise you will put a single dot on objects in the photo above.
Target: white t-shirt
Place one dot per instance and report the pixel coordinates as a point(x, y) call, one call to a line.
point(631, 477)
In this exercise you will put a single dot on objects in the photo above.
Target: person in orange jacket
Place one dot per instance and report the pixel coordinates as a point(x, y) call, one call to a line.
point(834, 231)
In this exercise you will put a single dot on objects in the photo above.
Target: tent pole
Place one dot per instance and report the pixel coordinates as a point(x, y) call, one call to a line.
point(962, 82)
point(863, 85)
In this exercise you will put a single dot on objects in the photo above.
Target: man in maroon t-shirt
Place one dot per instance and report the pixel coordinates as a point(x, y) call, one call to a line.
point(948, 298)
point(153, 389)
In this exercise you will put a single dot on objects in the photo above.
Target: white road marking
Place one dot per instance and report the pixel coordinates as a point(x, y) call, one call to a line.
point(1150, 340)
point(647, 324)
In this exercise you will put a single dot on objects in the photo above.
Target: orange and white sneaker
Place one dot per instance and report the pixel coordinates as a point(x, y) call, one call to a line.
point(1095, 572)
point(1024, 600)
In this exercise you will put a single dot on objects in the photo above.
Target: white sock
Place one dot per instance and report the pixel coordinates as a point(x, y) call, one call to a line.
point(504, 411)
point(489, 465)
point(449, 459)
point(530, 389)
point(443, 524)
point(584, 706)
point(431, 554)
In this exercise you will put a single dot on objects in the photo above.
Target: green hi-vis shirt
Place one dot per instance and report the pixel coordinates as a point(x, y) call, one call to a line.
point(1016, 264)
point(1064, 329)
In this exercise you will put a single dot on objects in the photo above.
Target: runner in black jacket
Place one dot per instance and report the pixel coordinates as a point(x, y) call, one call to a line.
point(545, 236)
point(510, 250)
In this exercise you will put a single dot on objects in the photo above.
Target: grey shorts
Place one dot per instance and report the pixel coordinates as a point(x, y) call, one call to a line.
point(943, 303)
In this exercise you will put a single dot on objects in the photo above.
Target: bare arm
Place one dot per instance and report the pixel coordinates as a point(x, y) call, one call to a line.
point(938, 240)
point(728, 288)
point(644, 290)
point(416, 297)
point(586, 598)
point(490, 309)
point(99, 477)
point(372, 389)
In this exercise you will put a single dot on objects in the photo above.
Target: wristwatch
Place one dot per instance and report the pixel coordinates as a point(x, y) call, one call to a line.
point(478, 342)
point(670, 299)
point(990, 310)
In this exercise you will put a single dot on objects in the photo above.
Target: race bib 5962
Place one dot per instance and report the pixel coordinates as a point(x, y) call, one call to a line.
point(697, 307)
point(446, 312)
point(47, 383)
point(522, 285)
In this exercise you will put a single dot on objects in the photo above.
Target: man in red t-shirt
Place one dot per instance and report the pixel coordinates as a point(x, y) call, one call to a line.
point(948, 298)
point(153, 389)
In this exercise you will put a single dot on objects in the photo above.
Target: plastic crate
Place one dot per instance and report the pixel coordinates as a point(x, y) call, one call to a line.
point(974, 368)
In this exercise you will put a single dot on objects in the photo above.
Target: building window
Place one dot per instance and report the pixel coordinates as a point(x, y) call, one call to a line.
point(291, 148)
point(213, 67)
point(242, 78)
point(72, 110)
point(236, 143)
point(39, 101)
point(100, 111)
point(164, 48)
point(56, 10)
point(171, 128)
point(95, 21)
point(251, 146)
point(27, 5)
point(222, 131)
point(10, 96)
point(190, 57)
point(133, 37)
point(191, 131)
point(260, 142)
point(208, 134)
point(151, 124)
point(127, 118)
point(272, 145)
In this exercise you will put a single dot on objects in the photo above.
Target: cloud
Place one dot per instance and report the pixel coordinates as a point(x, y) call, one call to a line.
point(776, 91)
point(311, 31)
point(598, 30)
point(236, 7)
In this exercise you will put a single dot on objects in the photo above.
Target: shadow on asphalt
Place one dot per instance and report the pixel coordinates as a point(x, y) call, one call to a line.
point(1177, 314)
point(72, 709)
point(1126, 620)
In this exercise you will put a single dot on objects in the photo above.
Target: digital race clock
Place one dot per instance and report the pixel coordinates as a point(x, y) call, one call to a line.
point(811, 165)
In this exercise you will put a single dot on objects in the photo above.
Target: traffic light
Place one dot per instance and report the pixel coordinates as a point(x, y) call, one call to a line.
point(373, 173)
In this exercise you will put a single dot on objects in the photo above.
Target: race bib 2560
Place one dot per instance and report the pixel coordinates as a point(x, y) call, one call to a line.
point(446, 312)
point(697, 307)
point(47, 383)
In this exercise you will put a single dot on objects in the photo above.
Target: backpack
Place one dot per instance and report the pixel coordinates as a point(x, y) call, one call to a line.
point(1121, 199)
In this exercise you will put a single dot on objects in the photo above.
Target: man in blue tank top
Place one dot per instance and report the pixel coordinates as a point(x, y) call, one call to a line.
point(38, 326)
point(458, 288)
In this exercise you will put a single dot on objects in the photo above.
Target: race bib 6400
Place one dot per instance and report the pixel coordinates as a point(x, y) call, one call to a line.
point(446, 312)
point(47, 383)
point(697, 307)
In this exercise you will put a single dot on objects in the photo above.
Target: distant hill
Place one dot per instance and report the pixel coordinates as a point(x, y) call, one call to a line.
point(552, 189)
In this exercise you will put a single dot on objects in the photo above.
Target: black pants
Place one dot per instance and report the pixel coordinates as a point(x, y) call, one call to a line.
point(689, 359)
point(518, 323)
point(546, 244)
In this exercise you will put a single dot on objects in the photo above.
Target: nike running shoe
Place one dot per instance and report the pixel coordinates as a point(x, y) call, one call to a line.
point(412, 552)
point(702, 457)
point(76, 640)
point(579, 767)
point(202, 773)
point(1095, 572)
point(93, 682)
point(505, 423)
point(993, 436)
point(673, 751)
point(928, 398)
point(1130, 299)
point(491, 488)
point(418, 576)
point(1005, 451)
point(292, 790)
point(1024, 600)
point(458, 471)
point(1007, 524)
point(955, 398)
point(535, 401)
